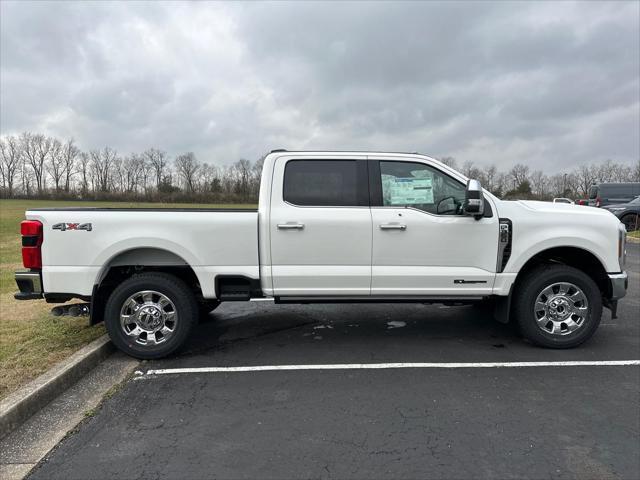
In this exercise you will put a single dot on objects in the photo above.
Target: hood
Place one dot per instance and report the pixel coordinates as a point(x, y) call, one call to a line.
point(576, 211)
point(558, 207)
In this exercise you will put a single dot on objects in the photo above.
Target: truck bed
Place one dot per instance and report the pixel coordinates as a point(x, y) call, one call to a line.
point(211, 241)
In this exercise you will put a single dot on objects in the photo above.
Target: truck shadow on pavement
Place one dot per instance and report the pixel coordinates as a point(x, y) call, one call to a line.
point(373, 327)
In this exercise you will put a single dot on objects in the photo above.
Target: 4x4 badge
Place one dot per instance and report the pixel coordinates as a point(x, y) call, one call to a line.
point(72, 226)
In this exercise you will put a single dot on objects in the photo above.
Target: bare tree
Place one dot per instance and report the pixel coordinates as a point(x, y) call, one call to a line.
point(209, 177)
point(69, 155)
point(586, 175)
point(102, 162)
point(132, 168)
point(489, 177)
point(35, 149)
point(9, 162)
point(448, 161)
point(187, 167)
point(56, 165)
point(470, 170)
point(539, 183)
point(84, 165)
point(242, 170)
point(159, 161)
point(519, 174)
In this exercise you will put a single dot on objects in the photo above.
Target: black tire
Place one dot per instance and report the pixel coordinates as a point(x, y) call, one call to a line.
point(184, 303)
point(631, 222)
point(532, 285)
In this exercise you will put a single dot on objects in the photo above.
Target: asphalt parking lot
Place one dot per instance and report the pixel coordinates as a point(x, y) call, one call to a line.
point(534, 422)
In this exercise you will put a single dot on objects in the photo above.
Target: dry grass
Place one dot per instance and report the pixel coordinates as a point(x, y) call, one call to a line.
point(31, 339)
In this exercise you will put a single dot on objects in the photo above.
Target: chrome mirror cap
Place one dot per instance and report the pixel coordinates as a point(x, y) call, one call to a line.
point(474, 199)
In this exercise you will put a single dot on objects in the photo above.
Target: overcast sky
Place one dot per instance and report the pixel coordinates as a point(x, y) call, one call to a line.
point(550, 84)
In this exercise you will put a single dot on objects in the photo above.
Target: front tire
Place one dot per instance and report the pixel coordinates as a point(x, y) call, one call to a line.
point(557, 306)
point(631, 222)
point(150, 315)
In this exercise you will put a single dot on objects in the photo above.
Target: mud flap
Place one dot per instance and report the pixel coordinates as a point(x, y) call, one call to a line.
point(502, 308)
point(611, 305)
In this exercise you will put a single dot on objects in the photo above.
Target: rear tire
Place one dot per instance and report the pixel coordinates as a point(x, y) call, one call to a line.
point(557, 306)
point(150, 315)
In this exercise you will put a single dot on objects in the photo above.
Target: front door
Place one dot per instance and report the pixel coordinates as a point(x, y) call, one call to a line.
point(422, 243)
point(320, 227)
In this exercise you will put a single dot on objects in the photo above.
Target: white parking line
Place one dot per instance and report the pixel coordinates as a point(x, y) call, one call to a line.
point(380, 366)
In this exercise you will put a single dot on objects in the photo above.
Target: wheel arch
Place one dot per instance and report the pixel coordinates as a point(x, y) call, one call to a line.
point(575, 257)
point(127, 263)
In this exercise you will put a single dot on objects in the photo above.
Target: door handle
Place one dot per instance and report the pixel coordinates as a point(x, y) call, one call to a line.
point(393, 226)
point(290, 226)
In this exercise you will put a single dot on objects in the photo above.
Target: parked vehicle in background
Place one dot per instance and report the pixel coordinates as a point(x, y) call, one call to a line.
point(331, 227)
point(563, 200)
point(628, 213)
point(604, 194)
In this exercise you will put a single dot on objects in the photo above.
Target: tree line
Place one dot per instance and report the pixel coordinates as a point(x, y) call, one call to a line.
point(522, 183)
point(43, 167)
point(34, 165)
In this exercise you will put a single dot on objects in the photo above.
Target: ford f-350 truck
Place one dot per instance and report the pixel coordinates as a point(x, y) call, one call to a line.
point(331, 227)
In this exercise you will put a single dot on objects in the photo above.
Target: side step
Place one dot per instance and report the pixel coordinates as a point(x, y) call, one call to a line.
point(237, 289)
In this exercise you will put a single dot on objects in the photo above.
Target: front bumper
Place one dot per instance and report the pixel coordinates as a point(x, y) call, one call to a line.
point(29, 284)
point(619, 283)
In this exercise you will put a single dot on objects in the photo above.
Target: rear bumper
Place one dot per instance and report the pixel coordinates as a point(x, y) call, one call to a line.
point(619, 283)
point(30, 285)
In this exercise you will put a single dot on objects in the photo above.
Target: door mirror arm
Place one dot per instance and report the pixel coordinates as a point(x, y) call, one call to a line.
point(474, 200)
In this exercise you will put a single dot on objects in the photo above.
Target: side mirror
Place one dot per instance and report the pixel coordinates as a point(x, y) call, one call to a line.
point(474, 200)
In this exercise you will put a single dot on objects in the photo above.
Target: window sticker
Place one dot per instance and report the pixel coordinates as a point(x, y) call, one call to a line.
point(408, 191)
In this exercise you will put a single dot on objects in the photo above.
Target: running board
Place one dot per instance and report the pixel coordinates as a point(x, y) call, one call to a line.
point(383, 299)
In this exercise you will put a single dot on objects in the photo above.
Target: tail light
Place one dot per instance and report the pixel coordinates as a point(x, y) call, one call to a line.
point(31, 231)
point(598, 201)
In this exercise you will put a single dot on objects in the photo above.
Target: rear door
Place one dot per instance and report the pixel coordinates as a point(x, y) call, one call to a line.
point(422, 244)
point(320, 227)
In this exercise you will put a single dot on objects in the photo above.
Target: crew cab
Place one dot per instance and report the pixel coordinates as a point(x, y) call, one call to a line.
point(330, 227)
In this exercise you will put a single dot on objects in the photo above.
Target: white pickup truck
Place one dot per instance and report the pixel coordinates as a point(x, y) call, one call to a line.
point(330, 227)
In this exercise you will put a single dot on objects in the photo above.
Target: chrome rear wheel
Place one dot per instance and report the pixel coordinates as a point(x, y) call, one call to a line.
point(149, 317)
point(151, 314)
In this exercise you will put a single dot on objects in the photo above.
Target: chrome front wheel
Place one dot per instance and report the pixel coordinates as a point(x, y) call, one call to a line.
point(557, 306)
point(561, 308)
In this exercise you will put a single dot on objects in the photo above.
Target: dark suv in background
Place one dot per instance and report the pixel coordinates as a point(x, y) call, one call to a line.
point(628, 213)
point(604, 194)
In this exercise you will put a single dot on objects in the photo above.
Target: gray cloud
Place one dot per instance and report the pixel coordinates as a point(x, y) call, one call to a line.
point(547, 83)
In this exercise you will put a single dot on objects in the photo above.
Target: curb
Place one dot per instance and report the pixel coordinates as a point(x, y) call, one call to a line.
point(22, 404)
point(633, 240)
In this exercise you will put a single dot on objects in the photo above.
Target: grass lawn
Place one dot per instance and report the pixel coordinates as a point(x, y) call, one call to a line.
point(31, 339)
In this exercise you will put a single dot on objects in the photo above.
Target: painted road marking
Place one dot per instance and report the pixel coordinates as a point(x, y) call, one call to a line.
point(381, 366)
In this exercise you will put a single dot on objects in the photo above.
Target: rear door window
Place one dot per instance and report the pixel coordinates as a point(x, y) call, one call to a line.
point(326, 183)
